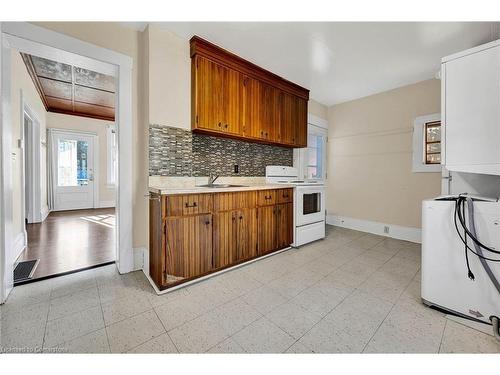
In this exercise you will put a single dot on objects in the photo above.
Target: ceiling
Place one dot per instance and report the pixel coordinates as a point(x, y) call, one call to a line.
point(339, 61)
point(72, 90)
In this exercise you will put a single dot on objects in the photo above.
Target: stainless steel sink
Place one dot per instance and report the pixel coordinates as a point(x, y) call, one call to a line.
point(220, 185)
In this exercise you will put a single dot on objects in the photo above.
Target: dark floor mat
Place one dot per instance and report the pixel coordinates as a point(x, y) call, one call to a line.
point(24, 270)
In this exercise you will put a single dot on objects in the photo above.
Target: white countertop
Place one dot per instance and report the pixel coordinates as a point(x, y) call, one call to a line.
point(166, 190)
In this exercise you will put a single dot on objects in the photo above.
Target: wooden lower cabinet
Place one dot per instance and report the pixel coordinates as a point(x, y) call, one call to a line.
point(188, 246)
point(224, 230)
point(246, 234)
point(224, 240)
point(266, 226)
point(235, 237)
point(284, 225)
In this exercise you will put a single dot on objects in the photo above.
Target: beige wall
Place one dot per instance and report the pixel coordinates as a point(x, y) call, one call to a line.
point(67, 122)
point(317, 109)
point(370, 156)
point(169, 79)
point(21, 82)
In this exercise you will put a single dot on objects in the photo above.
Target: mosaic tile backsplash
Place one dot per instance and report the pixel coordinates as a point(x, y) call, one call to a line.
point(178, 152)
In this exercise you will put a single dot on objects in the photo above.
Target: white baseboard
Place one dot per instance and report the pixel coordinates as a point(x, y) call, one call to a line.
point(45, 212)
point(141, 259)
point(395, 231)
point(107, 204)
point(19, 244)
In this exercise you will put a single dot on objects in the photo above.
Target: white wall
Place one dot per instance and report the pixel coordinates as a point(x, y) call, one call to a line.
point(21, 82)
point(67, 122)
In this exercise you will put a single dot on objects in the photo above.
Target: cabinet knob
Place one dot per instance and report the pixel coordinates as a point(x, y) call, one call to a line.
point(226, 126)
point(207, 222)
point(219, 124)
point(241, 217)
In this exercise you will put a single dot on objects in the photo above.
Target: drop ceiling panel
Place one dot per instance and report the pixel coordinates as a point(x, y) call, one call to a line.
point(61, 104)
point(95, 80)
point(52, 69)
point(72, 90)
point(91, 110)
point(92, 96)
point(56, 89)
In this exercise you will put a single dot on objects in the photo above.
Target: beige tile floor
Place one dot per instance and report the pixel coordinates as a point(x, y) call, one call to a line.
point(350, 293)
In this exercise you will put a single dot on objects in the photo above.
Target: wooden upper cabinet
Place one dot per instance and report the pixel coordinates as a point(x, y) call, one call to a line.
point(218, 97)
point(252, 108)
point(232, 97)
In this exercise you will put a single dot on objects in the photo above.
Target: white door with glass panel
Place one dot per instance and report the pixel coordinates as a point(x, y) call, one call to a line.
point(73, 171)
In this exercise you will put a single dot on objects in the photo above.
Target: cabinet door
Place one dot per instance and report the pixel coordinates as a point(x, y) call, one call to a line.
point(189, 246)
point(209, 94)
point(252, 108)
point(224, 246)
point(270, 113)
point(284, 224)
point(246, 244)
point(288, 118)
point(293, 121)
point(233, 101)
point(266, 224)
point(156, 241)
point(472, 112)
point(300, 122)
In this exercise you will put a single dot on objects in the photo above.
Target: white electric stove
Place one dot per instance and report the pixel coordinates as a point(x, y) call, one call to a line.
point(309, 203)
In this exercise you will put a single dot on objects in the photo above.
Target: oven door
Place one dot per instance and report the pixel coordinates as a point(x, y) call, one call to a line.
point(310, 204)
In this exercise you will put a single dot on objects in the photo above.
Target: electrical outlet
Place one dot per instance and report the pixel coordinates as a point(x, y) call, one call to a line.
point(236, 168)
point(386, 229)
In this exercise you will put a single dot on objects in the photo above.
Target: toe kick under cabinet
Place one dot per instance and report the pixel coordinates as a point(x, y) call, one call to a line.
point(193, 235)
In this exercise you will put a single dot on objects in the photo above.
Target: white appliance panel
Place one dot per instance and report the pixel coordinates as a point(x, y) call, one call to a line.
point(310, 204)
point(444, 273)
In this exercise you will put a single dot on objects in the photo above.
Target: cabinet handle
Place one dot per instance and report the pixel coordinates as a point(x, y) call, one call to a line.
point(190, 205)
point(226, 126)
point(219, 124)
point(233, 218)
point(241, 217)
point(207, 222)
point(267, 197)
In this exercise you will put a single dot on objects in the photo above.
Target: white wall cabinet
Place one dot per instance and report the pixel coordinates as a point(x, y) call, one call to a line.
point(471, 110)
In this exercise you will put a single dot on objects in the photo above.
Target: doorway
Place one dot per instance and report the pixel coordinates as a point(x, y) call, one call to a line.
point(73, 177)
point(79, 231)
point(27, 38)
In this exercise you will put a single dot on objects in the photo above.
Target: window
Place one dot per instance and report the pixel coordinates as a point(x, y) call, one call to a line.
point(433, 142)
point(72, 163)
point(315, 150)
point(427, 143)
point(111, 155)
point(311, 161)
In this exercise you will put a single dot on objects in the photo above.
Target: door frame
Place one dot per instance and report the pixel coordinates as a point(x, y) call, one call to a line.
point(32, 39)
point(95, 161)
point(30, 166)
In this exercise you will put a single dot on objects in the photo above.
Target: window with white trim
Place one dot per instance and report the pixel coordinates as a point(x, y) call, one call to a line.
point(111, 150)
point(427, 143)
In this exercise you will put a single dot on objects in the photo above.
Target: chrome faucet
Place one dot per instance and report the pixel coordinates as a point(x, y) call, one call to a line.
point(212, 178)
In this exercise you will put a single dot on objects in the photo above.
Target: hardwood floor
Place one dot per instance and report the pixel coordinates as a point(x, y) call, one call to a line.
point(71, 240)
